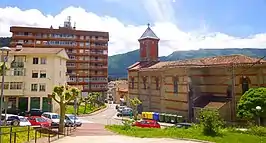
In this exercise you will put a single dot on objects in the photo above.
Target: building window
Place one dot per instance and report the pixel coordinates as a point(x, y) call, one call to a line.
point(132, 82)
point(43, 61)
point(34, 87)
point(42, 87)
point(16, 85)
point(245, 81)
point(42, 74)
point(144, 82)
point(6, 85)
point(18, 72)
point(175, 80)
point(34, 74)
point(35, 61)
point(157, 83)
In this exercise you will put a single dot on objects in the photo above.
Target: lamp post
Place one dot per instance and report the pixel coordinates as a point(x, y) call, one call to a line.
point(3, 49)
point(258, 108)
point(75, 102)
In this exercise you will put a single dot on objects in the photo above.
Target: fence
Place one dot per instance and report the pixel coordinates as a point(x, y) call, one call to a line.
point(29, 134)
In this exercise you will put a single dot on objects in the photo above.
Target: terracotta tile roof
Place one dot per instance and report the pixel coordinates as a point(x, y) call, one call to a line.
point(209, 61)
point(37, 51)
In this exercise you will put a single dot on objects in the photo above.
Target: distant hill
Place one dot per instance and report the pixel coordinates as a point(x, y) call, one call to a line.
point(118, 64)
point(4, 41)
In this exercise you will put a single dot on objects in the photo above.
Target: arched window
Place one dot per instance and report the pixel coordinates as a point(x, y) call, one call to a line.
point(157, 82)
point(245, 81)
point(132, 82)
point(175, 83)
point(144, 79)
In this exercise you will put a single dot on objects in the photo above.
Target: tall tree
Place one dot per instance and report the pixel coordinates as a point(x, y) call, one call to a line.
point(246, 108)
point(63, 95)
point(135, 102)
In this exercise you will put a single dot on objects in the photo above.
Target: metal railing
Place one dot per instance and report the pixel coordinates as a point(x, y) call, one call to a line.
point(34, 134)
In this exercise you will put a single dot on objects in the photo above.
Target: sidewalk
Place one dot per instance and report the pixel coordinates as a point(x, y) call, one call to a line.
point(161, 123)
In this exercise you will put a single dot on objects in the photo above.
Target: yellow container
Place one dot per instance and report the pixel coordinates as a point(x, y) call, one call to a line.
point(144, 115)
point(149, 115)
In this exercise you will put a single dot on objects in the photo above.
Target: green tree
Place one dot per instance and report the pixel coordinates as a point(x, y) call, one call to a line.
point(134, 103)
point(211, 121)
point(246, 108)
point(63, 95)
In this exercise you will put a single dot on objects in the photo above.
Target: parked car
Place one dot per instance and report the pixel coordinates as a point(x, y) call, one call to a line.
point(147, 124)
point(120, 108)
point(34, 112)
point(14, 111)
point(183, 125)
point(23, 121)
point(54, 117)
point(11, 119)
point(125, 112)
point(72, 120)
point(38, 121)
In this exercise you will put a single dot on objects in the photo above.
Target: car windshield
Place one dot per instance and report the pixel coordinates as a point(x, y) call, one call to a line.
point(23, 119)
point(40, 120)
point(72, 117)
point(55, 117)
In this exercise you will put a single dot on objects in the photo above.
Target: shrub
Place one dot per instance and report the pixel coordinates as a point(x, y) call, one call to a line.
point(127, 124)
point(257, 130)
point(211, 121)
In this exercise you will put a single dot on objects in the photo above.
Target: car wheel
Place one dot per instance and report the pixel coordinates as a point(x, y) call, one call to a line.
point(15, 123)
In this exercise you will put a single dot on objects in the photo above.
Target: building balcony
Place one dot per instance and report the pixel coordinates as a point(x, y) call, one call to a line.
point(15, 64)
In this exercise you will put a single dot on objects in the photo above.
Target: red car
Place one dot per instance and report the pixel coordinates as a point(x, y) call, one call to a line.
point(39, 121)
point(147, 124)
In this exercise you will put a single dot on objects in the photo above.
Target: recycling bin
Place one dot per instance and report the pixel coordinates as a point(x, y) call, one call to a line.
point(155, 116)
point(173, 118)
point(162, 117)
point(149, 115)
point(144, 115)
point(179, 119)
point(167, 118)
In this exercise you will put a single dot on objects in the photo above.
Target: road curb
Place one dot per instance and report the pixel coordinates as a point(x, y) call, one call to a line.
point(96, 112)
point(162, 124)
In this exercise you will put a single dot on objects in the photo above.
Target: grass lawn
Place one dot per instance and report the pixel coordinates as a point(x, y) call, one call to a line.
point(21, 135)
point(70, 109)
point(227, 136)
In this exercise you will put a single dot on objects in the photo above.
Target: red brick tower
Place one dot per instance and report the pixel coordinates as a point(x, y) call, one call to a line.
point(148, 46)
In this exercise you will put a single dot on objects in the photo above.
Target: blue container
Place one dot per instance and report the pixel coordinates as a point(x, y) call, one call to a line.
point(156, 116)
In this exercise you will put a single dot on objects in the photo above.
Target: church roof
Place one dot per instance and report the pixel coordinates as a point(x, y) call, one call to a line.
point(227, 60)
point(149, 34)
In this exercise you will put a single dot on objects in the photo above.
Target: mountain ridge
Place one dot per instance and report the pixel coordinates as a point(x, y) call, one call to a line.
point(117, 64)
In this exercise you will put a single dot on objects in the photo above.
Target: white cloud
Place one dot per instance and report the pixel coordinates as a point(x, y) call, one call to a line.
point(123, 38)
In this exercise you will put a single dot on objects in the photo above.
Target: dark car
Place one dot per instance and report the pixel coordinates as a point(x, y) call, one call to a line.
point(10, 119)
point(34, 112)
point(14, 111)
point(183, 125)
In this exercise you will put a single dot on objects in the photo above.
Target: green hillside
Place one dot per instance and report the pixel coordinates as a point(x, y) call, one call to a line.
point(118, 64)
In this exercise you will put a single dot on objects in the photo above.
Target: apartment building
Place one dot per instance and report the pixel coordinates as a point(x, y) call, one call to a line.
point(87, 50)
point(32, 73)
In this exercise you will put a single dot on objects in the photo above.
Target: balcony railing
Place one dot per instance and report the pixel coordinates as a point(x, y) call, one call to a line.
point(17, 65)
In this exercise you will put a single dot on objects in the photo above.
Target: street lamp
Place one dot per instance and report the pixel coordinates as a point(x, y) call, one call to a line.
point(258, 108)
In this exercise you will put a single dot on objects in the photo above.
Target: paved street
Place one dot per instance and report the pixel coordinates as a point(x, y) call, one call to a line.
point(93, 131)
point(106, 117)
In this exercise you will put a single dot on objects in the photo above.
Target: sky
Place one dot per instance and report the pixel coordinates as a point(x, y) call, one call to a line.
point(180, 24)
